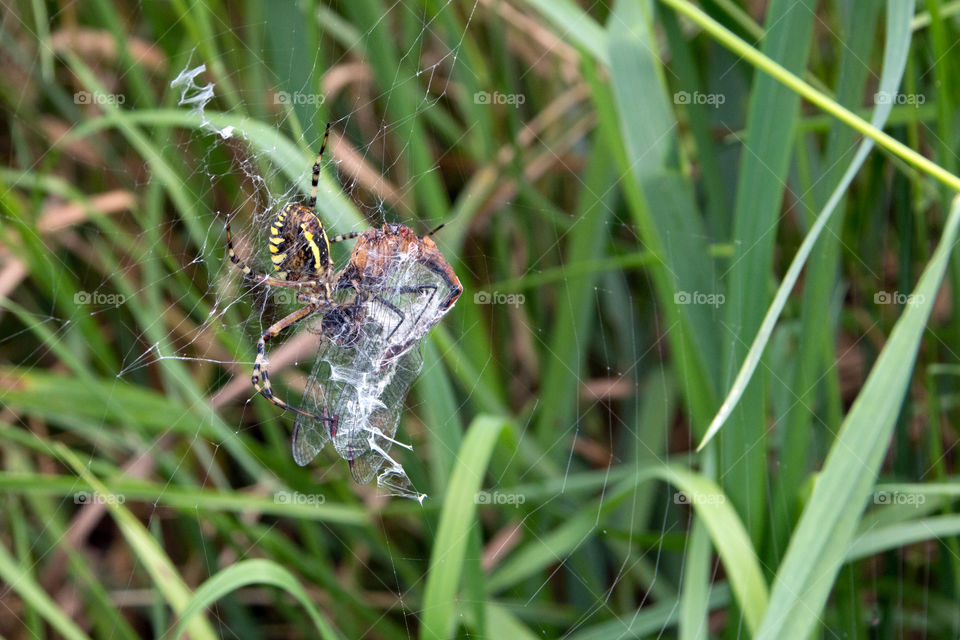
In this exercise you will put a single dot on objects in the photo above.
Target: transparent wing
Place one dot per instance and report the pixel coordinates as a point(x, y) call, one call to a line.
point(364, 467)
point(311, 435)
point(374, 459)
point(368, 404)
point(395, 393)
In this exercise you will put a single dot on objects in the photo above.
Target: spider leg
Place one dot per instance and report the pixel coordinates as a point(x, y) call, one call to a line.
point(342, 284)
point(394, 351)
point(395, 309)
point(435, 229)
point(261, 376)
point(455, 287)
point(247, 271)
point(344, 236)
point(315, 188)
point(289, 284)
point(417, 289)
point(315, 181)
point(307, 298)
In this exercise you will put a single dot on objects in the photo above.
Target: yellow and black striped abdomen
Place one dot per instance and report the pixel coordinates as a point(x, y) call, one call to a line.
point(299, 248)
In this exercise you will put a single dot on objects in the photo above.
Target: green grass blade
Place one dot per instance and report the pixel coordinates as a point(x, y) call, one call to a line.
point(440, 415)
point(293, 162)
point(20, 579)
point(572, 328)
point(190, 499)
point(828, 522)
point(895, 59)
point(651, 620)
point(903, 533)
point(695, 585)
point(764, 63)
point(456, 520)
point(241, 574)
point(729, 537)
point(713, 510)
point(407, 101)
point(761, 186)
point(923, 19)
point(640, 128)
point(67, 401)
point(536, 556)
point(503, 624)
point(163, 572)
point(857, 23)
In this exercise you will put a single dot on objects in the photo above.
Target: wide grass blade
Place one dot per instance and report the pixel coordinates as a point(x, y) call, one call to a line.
point(456, 520)
point(804, 381)
point(728, 536)
point(761, 186)
point(828, 523)
point(895, 60)
point(636, 120)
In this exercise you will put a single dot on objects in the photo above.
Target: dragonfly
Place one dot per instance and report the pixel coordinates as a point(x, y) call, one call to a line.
point(396, 287)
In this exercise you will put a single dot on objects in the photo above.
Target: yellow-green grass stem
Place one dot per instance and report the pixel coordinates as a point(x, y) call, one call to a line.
point(762, 62)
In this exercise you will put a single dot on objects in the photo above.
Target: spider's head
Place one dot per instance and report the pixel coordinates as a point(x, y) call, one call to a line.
point(341, 324)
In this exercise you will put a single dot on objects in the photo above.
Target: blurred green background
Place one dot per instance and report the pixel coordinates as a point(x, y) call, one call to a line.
point(649, 204)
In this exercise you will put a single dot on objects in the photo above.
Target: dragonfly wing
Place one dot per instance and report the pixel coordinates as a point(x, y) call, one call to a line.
point(309, 434)
point(375, 438)
point(365, 466)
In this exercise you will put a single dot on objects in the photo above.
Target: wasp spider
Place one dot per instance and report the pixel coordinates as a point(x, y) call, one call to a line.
point(300, 253)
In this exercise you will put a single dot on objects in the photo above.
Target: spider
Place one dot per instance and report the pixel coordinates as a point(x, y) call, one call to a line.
point(300, 253)
point(379, 266)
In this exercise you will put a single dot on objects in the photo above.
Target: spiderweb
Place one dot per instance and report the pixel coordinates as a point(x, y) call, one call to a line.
point(363, 384)
point(561, 335)
point(366, 384)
